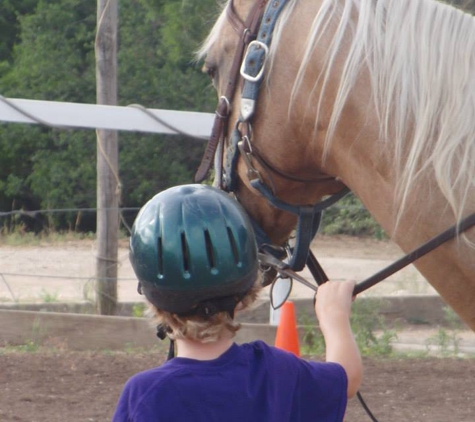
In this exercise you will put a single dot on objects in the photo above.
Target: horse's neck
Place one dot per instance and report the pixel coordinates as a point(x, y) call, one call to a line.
point(365, 165)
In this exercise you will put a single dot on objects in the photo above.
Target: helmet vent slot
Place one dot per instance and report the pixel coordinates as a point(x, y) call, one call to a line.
point(185, 253)
point(234, 248)
point(160, 256)
point(209, 250)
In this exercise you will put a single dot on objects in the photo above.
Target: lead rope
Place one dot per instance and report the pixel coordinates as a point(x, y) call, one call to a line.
point(365, 407)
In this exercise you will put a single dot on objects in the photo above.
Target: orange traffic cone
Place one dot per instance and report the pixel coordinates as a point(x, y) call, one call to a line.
point(287, 336)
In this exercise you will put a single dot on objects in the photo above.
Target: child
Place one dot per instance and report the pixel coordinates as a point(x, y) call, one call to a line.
point(194, 254)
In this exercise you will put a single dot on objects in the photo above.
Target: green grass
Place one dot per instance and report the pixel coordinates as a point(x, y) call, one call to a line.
point(29, 347)
point(131, 349)
point(20, 237)
point(49, 297)
point(349, 217)
point(138, 310)
point(375, 338)
point(447, 339)
point(372, 335)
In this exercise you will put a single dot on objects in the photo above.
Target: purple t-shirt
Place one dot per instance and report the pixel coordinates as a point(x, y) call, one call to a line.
point(250, 382)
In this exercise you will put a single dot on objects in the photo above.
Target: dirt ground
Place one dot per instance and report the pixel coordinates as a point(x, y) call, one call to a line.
point(84, 387)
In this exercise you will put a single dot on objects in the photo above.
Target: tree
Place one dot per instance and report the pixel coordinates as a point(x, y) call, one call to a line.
point(160, 71)
point(51, 61)
point(10, 11)
point(467, 5)
point(52, 58)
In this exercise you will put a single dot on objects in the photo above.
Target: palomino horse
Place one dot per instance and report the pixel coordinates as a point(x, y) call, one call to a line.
point(378, 94)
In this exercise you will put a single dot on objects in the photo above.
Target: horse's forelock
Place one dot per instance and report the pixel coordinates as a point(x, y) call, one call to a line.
point(214, 34)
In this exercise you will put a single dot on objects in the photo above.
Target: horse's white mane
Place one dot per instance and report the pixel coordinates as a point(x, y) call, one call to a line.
point(421, 59)
point(420, 55)
point(214, 34)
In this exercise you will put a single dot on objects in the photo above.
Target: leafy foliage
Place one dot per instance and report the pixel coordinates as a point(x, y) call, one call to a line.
point(373, 336)
point(10, 12)
point(467, 5)
point(349, 217)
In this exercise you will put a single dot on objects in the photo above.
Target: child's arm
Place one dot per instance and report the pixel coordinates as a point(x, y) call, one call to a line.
point(333, 309)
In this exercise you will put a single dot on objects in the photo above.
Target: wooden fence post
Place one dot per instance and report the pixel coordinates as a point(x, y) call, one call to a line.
point(108, 183)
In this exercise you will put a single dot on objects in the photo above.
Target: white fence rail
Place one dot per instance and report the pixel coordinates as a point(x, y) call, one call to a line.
point(92, 116)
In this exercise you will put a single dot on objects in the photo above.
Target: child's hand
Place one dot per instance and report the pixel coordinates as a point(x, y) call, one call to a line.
point(333, 302)
point(333, 309)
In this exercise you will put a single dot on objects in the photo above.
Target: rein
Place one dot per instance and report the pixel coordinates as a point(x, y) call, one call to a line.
point(433, 243)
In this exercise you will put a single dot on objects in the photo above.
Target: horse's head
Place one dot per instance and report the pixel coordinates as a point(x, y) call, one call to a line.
point(278, 147)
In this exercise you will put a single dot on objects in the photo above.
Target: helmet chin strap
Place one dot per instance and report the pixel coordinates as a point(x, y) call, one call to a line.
point(210, 307)
point(162, 331)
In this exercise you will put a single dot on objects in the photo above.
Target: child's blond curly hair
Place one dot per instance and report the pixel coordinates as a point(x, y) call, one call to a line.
point(208, 330)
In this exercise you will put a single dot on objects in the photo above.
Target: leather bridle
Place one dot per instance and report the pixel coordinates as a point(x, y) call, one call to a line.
point(247, 33)
point(255, 36)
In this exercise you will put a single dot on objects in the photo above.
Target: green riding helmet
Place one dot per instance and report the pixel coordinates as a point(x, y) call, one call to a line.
point(193, 250)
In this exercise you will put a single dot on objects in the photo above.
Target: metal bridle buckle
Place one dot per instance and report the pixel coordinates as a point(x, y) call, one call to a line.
point(245, 149)
point(258, 45)
point(228, 107)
